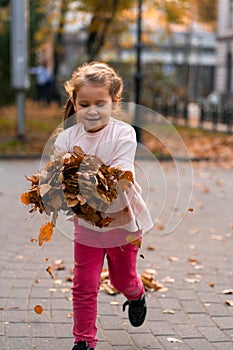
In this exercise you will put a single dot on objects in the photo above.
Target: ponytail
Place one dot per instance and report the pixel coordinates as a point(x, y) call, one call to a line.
point(69, 114)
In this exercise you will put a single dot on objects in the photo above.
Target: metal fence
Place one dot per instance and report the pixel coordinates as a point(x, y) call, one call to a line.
point(205, 115)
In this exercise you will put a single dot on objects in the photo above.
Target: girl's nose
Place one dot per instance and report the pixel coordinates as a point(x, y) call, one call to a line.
point(92, 110)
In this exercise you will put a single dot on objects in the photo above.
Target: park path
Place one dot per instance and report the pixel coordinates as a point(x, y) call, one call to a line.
point(193, 263)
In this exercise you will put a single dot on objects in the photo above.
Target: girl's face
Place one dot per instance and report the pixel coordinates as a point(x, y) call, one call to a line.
point(93, 106)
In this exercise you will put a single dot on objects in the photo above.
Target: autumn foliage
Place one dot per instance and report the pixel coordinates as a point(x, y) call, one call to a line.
point(76, 184)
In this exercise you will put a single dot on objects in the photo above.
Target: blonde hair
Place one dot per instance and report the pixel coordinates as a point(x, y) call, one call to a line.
point(97, 73)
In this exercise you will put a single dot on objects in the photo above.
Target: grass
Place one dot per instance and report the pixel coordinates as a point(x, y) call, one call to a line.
point(40, 122)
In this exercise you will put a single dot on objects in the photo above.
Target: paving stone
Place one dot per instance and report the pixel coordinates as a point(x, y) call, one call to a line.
point(201, 319)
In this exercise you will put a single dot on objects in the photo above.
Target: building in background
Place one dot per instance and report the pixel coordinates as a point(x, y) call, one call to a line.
point(224, 54)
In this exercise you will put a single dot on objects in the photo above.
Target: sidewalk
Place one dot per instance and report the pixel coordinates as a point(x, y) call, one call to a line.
point(193, 263)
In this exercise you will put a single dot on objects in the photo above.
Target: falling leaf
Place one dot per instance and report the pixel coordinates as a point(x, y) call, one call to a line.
point(133, 239)
point(190, 209)
point(229, 302)
point(70, 315)
point(65, 290)
point(45, 234)
point(211, 284)
point(174, 340)
point(142, 256)
point(114, 303)
point(38, 309)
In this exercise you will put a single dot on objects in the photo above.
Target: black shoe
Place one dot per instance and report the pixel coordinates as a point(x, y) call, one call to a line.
point(137, 311)
point(82, 345)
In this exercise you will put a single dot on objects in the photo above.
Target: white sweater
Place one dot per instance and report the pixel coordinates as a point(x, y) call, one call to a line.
point(114, 145)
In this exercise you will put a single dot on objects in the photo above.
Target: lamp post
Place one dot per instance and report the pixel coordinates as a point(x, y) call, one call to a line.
point(138, 74)
point(19, 58)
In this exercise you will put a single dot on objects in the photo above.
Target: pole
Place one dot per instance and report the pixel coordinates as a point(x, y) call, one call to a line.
point(19, 59)
point(138, 75)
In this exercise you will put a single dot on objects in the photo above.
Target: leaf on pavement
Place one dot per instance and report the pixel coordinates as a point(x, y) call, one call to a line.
point(229, 302)
point(169, 312)
point(174, 340)
point(227, 291)
point(50, 271)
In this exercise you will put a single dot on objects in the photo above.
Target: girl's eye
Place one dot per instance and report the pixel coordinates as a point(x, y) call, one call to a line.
point(100, 104)
point(84, 105)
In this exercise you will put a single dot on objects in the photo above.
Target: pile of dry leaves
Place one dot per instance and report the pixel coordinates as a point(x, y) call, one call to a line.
point(75, 183)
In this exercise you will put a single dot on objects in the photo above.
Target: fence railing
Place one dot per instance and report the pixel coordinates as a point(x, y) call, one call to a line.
point(206, 116)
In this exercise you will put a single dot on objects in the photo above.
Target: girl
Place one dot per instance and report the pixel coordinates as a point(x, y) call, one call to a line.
point(94, 90)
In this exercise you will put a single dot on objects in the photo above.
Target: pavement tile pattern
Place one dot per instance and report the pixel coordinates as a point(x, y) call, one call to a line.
point(193, 263)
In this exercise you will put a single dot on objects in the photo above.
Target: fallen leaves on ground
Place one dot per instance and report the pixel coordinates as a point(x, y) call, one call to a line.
point(174, 340)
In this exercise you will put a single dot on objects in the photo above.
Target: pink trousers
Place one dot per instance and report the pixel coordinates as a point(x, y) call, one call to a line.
point(87, 269)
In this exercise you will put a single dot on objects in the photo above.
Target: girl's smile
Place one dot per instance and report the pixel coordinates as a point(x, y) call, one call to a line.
point(93, 105)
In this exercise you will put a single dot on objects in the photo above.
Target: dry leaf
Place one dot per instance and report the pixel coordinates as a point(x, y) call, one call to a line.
point(172, 258)
point(227, 291)
point(174, 340)
point(169, 312)
point(192, 280)
point(109, 289)
point(150, 247)
point(38, 309)
point(132, 238)
point(50, 271)
point(190, 209)
point(168, 279)
point(229, 302)
point(45, 234)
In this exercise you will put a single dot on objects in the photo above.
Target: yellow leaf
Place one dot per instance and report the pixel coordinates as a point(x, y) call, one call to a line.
point(46, 232)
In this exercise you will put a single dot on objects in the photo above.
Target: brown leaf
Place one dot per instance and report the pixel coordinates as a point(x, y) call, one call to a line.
point(38, 309)
point(150, 247)
point(50, 271)
point(229, 302)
